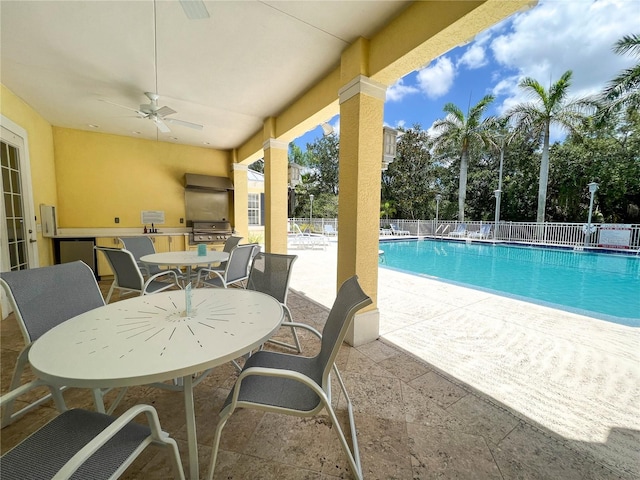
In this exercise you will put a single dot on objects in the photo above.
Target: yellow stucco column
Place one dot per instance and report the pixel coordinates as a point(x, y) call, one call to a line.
point(275, 195)
point(361, 122)
point(240, 199)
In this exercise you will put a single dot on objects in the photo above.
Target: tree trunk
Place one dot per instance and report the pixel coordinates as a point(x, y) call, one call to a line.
point(544, 177)
point(462, 190)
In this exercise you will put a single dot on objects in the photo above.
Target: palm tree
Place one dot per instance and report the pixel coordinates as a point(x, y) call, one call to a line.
point(457, 133)
point(548, 108)
point(624, 90)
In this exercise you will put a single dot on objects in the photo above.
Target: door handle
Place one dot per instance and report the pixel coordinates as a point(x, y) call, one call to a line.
point(31, 240)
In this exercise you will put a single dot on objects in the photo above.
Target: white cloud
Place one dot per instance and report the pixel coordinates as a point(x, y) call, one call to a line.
point(397, 91)
point(557, 36)
point(436, 80)
point(474, 57)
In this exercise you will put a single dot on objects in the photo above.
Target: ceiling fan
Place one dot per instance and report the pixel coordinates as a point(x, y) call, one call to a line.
point(158, 114)
point(194, 9)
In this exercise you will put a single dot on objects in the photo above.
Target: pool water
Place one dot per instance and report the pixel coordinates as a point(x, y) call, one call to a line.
point(600, 285)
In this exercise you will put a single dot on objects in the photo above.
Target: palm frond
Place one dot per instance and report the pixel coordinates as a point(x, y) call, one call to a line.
point(628, 44)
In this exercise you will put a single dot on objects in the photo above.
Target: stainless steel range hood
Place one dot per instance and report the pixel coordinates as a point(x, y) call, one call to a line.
point(193, 181)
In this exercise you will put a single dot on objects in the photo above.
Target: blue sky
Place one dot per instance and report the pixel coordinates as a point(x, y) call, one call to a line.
point(542, 42)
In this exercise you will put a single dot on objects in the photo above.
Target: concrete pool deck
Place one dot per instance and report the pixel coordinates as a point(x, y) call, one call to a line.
point(573, 376)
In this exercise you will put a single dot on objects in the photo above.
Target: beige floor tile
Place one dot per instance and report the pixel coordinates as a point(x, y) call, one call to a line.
point(441, 453)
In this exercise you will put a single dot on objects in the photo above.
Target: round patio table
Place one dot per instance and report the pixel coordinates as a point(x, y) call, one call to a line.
point(152, 338)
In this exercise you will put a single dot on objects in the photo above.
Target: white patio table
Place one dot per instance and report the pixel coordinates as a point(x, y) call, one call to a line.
point(151, 339)
point(185, 259)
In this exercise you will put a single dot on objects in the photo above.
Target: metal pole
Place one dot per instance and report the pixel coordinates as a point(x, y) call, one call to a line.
point(311, 214)
point(438, 198)
point(498, 193)
point(593, 187)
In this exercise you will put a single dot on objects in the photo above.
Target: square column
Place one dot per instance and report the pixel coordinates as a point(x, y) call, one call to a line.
point(276, 192)
point(361, 122)
point(240, 199)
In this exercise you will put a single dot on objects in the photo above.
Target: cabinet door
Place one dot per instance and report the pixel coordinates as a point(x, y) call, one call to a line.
point(103, 266)
point(176, 243)
point(160, 243)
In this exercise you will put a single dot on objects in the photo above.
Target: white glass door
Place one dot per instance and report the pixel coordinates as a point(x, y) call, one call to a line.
point(17, 226)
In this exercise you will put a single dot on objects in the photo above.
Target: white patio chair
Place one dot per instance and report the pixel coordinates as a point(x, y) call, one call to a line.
point(270, 273)
point(139, 247)
point(229, 244)
point(298, 385)
point(329, 230)
point(460, 231)
point(41, 299)
point(128, 277)
point(396, 231)
point(484, 232)
point(236, 270)
point(81, 444)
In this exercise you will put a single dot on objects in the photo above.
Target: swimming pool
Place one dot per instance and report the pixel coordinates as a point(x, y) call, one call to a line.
point(604, 286)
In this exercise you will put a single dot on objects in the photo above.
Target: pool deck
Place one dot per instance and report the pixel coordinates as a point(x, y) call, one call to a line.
point(574, 377)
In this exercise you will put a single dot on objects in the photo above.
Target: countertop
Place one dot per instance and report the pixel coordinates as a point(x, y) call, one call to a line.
point(116, 232)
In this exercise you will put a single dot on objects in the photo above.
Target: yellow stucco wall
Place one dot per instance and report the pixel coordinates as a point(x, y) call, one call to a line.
point(41, 153)
point(103, 176)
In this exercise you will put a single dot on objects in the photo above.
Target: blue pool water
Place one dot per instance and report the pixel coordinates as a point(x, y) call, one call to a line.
point(600, 285)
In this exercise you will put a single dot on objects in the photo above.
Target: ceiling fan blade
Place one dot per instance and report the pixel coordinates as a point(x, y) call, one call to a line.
point(160, 124)
point(184, 124)
point(164, 111)
point(194, 9)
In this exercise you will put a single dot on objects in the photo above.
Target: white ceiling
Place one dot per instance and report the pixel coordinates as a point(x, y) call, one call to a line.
point(228, 72)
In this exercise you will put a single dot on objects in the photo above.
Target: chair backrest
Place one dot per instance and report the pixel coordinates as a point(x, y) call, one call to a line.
point(43, 298)
point(349, 300)
point(238, 264)
point(139, 247)
point(329, 230)
point(485, 229)
point(124, 266)
point(270, 273)
point(231, 243)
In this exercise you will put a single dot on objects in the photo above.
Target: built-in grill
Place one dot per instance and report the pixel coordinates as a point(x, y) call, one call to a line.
point(211, 233)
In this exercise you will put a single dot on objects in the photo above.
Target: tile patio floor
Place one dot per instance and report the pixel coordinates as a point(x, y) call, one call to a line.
point(415, 420)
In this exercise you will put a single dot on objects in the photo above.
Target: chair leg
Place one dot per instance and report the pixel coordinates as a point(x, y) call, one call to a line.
point(353, 457)
point(113, 285)
point(216, 443)
point(9, 415)
point(295, 347)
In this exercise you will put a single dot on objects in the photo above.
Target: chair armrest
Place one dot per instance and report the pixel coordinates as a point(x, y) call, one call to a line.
point(208, 271)
point(162, 274)
point(303, 326)
point(274, 372)
point(118, 424)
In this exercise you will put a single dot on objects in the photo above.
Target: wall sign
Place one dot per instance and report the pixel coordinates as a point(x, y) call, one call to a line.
point(152, 216)
point(615, 235)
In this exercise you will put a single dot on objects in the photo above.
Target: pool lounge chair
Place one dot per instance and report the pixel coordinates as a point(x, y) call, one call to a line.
point(396, 231)
point(460, 231)
point(330, 230)
point(300, 239)
point(484, 232)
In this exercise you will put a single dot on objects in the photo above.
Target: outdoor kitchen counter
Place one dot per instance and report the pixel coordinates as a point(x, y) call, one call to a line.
point(116, 232)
